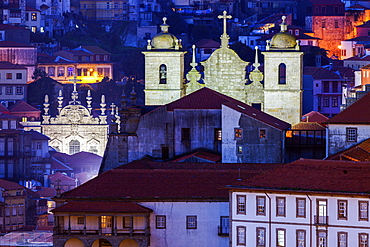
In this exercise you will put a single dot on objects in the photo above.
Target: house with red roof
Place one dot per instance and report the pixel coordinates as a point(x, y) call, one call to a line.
point(29, 115)
point(146, 203)
point(349, 127)
point(312, 203)
point(204, 48)
point(206, 120)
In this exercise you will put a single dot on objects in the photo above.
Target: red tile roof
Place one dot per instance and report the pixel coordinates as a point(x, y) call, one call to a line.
point(102, 207)
point(207, 43)
point(3, 109)
point(45, 191)
point(314, 116)
point(308, 126)
point(93, 49)
point(7, 65)
point(201, 155)
point(7, 185)
point(320, 73)
point(14, 44)
point(38, 136)
point(320, 176)
point(206, 98)
point(170, 184)
point(359, 152)
point(357, 113)
point(22, 106)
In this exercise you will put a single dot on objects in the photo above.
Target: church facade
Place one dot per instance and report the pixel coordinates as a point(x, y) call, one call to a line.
point(74, 128)
point(278, 92)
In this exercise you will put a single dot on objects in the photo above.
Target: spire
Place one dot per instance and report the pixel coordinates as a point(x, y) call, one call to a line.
point(224, 37)
point(46, 105)
point(256, 75)
point(74, 93)
point(103, 104)
point(60, 101)
point(193, 76)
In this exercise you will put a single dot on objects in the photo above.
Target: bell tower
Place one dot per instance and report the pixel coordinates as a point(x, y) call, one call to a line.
point(283, 77)
point(164, 68)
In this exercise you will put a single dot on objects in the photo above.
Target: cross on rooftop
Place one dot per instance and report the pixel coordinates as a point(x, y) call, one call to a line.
point(74, 93)
point(224, 36)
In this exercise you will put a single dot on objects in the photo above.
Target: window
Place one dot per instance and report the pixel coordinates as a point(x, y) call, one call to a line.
point(13, 124)
point(191, 222)
point(24, 119)
point(70, 71)
point(321, 239)
point(10, 169)
point(336, 24)
point(301, 238)
point(51, 71)
point(257, 106)
point(321, 212)
point(163, 74)
point(241, 238)
point(262, 133)
point(33, 29)
point(261, 234)
point(21, 209)
point(282, 73)
point(127, 222)
point(19, 90)
point(240, 207)
point(334, 102)
point(9, 76)
point(301, 207)
point(363, 240)
point(9, 90)
point(33, 16)
point(74, 147)
point(261, 205)
point(106, 72)
point(224, 225)
point(342, 239)
point(106, 221)
point(363, 210)
point(7, 210)
point(218, 134)
point(239, 149)
point(296, 32)
point(80, 220)
point(351, 134)
point(5, 124)
point(2, 146)
point(18, 76)
point(280, 206)
point(342, 210)
point(323, 24)
point(160, 222)
point(14, 209)
point(280, 237)
point(185, 134)
point(325, 102)
point(60, 71)
point(238, 133)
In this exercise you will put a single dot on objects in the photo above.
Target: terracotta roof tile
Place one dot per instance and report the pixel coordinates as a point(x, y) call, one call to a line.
point(170, 183)
point(314, 175)
point(8, 185)
point(207, 43)
point(7, 65)
point(320, 73)
point(314, 116)
point(201, 155)
point(359, 152)
point(357, 113)
point(308, 126)
point(22, 106)
point(102, 207)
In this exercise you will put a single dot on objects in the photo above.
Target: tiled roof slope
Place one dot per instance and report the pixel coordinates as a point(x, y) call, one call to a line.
point(8, 185)
point(357, 113)
point(102, 207)
point(22, 106)
point(308, 126)
point(7, 65)
point(207, 43)
point(359, 152)
point(211, 157)
point(320, 176)
point(314, 116)
point(206, 98)
point(319, 73)
point(162, 184)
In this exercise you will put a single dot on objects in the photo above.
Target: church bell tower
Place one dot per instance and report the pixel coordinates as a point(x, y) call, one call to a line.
point(283, 77)
point(164, 68)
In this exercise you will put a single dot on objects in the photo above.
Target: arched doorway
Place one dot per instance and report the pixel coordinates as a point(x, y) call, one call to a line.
point(74, 242)
point(101, 243)
point(129, 243)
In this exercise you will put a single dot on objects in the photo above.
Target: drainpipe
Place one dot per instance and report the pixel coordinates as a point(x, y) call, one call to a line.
point(270, 226)
point(310, 220)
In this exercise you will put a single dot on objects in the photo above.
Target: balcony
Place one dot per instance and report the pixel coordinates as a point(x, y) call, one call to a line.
point(223, 231)
point(128, 232)
point(321, 220)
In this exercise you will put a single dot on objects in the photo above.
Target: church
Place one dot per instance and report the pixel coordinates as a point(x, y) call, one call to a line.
point(278, 92)
point(74, 129)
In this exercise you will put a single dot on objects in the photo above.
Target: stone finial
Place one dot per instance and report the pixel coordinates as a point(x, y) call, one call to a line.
point(193, 76)
point(149, 46)
point(256, 75)
point(224, 37)
point(46, 105)
point(133, 96)
point(88, 100)
point(283, 25)
point(103, 104)
point(164, 26)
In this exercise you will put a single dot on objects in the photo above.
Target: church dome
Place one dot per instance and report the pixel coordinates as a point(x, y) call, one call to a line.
point(164, 39)
point(283, 40)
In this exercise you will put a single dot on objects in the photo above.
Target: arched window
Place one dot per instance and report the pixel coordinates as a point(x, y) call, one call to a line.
point(282, 73)
point(74, 147)
point(163, 74)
